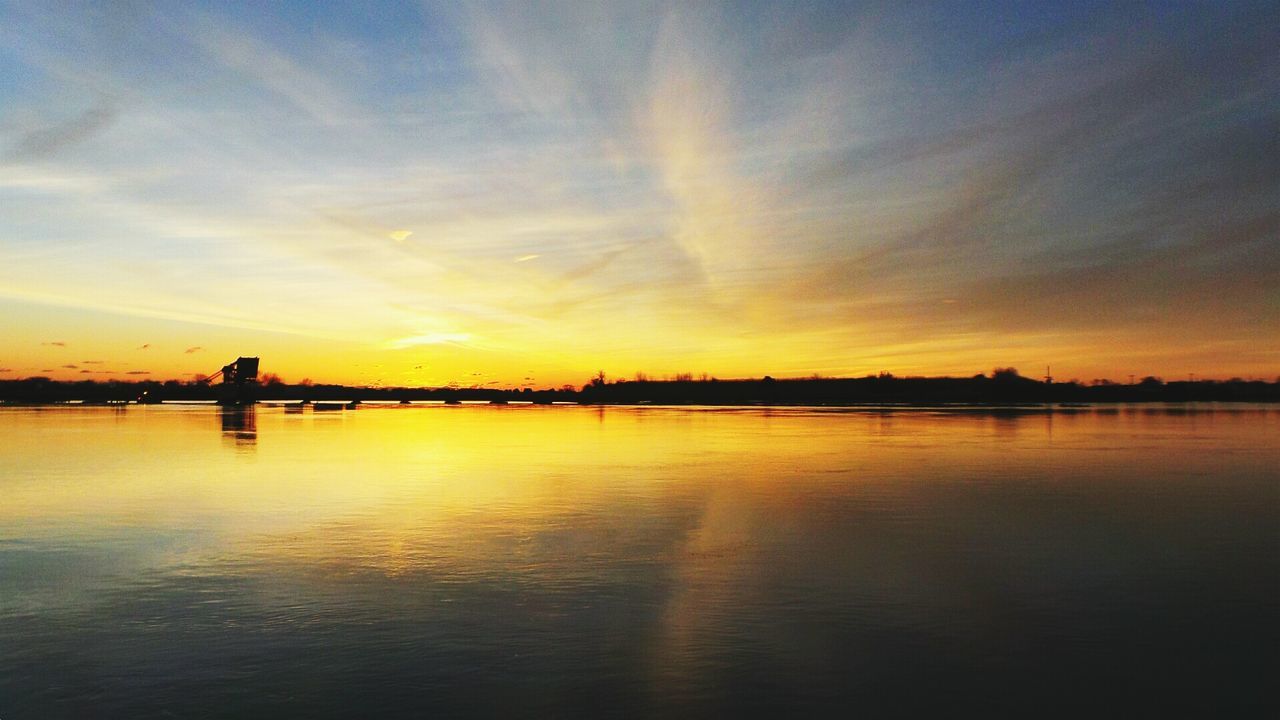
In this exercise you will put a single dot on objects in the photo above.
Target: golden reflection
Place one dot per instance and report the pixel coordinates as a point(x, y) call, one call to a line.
point(521, 488)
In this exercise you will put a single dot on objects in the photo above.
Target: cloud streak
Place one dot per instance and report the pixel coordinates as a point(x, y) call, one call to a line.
point(43, 142)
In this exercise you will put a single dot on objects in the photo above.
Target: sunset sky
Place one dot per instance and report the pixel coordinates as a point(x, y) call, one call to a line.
point(525, 193)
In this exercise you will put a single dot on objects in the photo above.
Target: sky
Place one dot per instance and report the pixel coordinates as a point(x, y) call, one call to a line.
point(522, 194)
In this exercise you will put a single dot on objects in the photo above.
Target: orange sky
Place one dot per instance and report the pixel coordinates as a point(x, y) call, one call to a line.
point(500, 196)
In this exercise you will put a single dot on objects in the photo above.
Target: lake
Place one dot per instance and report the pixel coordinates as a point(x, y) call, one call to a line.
point(496, 561)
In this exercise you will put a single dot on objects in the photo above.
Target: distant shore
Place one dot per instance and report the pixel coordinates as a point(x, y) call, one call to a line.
point(1001, 388)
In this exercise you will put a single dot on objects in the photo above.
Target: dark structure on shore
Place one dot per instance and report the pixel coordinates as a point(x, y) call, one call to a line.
point(239, 382)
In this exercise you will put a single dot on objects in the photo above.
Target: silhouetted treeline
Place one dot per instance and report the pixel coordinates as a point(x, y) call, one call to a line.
point(44, 390)
point(1005, 386)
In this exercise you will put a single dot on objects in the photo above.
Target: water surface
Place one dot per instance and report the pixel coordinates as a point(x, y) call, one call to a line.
point(637, 562)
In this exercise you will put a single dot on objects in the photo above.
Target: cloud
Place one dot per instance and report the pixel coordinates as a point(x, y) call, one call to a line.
point(138, 372)
point(56, 343)
point(144, 346)
point(399, 235)
point(593, 266)
point(193, 349)
point(70, 366)
point(435, 338)
point(5, 370)
point(526, 258)
point(93, 362)
point(42, 142)
point(271, 68)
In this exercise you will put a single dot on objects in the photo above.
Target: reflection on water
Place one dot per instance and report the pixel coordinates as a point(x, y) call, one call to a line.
point(552, 561)
point(239, 425)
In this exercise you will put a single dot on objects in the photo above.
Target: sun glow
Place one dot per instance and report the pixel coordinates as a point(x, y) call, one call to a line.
point(676, 191)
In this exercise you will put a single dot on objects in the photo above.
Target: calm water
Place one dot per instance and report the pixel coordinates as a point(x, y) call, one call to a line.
point(564, 561)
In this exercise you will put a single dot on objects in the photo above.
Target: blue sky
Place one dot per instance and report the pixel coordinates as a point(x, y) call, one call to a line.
point(489, 192)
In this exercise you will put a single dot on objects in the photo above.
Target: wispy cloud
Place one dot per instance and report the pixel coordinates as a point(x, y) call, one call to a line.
point(193, 349)
point(45, 141)
point(441, 338)
point(246, 55)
